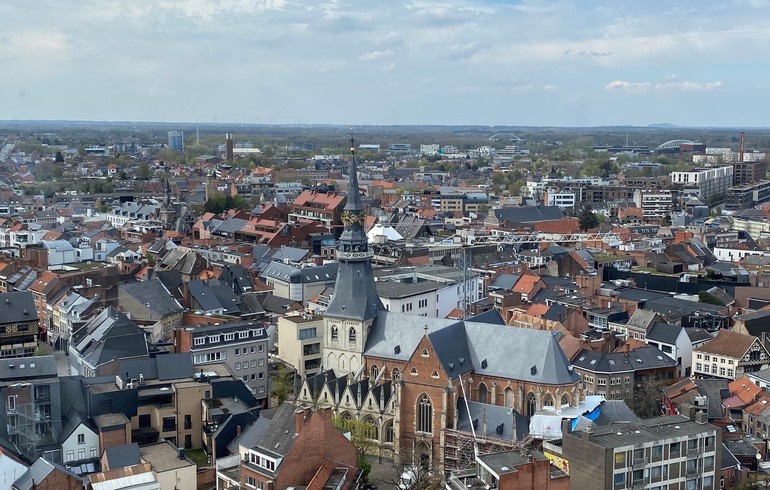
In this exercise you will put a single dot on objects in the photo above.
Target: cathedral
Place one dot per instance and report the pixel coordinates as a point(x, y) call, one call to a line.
point(423, 385)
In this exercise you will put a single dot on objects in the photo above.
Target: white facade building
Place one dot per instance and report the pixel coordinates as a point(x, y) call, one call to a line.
point(81, 444)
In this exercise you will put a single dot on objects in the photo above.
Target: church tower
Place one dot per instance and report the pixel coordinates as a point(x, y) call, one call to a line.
point(167, 210)
point(355, 303)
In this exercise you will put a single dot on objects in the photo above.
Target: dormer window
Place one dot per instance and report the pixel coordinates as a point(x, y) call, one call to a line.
point(199, 341)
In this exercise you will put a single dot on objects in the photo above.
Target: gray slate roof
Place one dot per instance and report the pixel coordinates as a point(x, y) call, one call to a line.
point(664, 332)
point(153, 295)
point(511, 425)
point(37, 473)
point(17, 307)
point(279, 437)
point(642, 358)
point(109, 335)
point(539, 357)
point(34, 367)
point(122, 456)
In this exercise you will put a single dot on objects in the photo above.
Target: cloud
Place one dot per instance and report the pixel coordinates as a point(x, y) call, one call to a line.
point(376, 55)
point(640, 87)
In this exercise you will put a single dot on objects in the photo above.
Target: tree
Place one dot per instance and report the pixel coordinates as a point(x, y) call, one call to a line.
point(143, 172)
point(588, 219)
point(282, 382)
point(362, 433)
point(215, 204)
point(647, 397)
point(150, 259)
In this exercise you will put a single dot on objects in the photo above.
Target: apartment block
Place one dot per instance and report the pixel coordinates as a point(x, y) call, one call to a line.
point(707, 184)
point(300, 342)
point(242, 346)
point(664, 452)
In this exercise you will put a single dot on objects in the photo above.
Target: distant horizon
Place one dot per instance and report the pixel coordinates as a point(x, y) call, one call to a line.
point(235, 125)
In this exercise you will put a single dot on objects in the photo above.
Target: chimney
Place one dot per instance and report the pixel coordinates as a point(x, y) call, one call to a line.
point(701, 417)
point(588, 435)
point(180, 452)
point(300, 416)
point(237, 430)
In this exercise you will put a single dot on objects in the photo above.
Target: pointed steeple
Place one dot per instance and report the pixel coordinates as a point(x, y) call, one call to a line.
point(353, 238)
point(355, 295)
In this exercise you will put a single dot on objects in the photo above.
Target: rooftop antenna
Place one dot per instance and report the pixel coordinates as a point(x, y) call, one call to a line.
point(197, 134)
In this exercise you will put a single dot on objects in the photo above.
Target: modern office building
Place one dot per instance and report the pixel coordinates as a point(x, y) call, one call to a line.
point(176, 140)
point(663, 452)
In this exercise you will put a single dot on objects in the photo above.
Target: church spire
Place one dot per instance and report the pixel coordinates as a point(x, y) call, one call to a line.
point(355, 295)
point(353, 238)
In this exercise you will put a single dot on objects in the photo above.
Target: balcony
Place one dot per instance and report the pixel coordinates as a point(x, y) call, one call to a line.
point(640, 462)
point(640, 484)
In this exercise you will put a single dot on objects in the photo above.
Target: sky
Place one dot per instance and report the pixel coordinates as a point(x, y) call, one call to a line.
point(357, 62)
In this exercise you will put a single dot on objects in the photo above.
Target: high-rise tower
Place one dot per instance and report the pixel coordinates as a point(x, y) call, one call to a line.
point(355, 302)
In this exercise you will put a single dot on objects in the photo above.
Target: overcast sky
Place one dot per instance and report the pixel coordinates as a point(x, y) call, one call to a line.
point(565, 63)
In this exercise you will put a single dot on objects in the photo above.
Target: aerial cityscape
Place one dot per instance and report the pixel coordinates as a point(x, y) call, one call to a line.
point(473, 244)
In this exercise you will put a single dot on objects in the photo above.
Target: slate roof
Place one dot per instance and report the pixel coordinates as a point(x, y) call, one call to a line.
point(505, 281)
point(203, 295)
point(697, 335)
point(37, 473)
point(162, 367)
point(536, 349)
point(664, 332)
point(108, 336)
point(285, 272)
point(250, 436)
point(451, 346)
point(17, 307)
point(642, 358)
point(122, 455)
point(34, 367)
point(642, 319)
point(278, 438)
point(680, 307)
point(511, 425)
point(153, 295)
point(614, 411)
point(540, 359)
point(491, 316)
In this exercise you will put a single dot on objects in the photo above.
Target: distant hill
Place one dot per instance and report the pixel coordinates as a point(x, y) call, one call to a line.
point(663, 126)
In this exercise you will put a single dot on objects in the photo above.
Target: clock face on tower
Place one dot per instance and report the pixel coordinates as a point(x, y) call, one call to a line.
point(350, 218)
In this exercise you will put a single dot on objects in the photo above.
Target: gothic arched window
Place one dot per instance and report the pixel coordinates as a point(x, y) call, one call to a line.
point(483, 393)
point(335, 333)
point(424, 414)
point(509, 397)
point(352, 334)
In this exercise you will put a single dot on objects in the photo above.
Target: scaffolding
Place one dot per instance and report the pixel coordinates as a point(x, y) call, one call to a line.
point(29, 421)
point(460, 453)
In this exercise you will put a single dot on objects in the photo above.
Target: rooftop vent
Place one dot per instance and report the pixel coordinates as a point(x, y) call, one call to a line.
point(397, 349)
point(533, 370)
point(484, 364)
